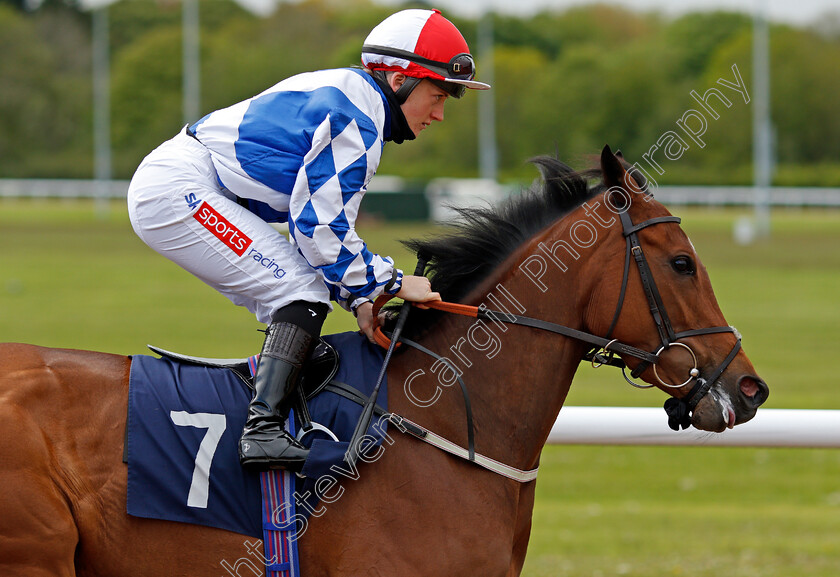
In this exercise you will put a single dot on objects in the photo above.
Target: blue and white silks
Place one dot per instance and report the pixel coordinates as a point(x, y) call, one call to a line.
point(304, 152)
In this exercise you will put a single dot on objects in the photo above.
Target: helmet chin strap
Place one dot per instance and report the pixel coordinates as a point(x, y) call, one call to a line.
point(405, 89)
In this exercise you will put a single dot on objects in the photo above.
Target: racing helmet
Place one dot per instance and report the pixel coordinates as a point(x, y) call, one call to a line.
point(422, 44)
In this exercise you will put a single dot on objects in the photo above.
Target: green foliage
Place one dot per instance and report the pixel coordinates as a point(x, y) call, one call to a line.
point(43, 99)
point(565, 82)
point(145, 96)
point(130, 20)
point(693, 39)
point(29, 5)
point(806, 123)
point(804, 70)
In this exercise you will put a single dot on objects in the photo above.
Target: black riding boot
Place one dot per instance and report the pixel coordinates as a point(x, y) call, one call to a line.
point(265, 444)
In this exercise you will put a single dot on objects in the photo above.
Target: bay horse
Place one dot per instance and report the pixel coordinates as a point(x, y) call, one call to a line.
point(559, 255)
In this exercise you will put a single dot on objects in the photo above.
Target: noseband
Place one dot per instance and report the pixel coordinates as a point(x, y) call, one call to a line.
point(604, 350)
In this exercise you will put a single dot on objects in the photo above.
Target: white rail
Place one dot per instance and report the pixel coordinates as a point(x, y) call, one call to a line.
point(452, 191)
point(649, 426)
point(62, 188)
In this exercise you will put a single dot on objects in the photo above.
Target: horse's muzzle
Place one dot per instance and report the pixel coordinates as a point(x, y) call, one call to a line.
point(730, 403)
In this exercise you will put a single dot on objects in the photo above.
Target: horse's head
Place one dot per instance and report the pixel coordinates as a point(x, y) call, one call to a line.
point(610, 268)
point(650, 291)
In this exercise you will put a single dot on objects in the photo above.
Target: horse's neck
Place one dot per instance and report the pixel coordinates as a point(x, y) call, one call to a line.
point(517, 377)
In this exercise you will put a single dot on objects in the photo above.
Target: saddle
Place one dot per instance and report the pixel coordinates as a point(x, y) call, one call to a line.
point(319, 370)
point(318, 375)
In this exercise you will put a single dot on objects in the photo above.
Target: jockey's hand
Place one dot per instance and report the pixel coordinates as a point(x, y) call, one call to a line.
point(417, 289)
point(364, 318)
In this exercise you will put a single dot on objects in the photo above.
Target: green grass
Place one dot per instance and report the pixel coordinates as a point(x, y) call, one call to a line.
point(71, 277)
point(698, 512)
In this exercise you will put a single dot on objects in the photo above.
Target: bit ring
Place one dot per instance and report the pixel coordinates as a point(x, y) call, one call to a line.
point(692, 374)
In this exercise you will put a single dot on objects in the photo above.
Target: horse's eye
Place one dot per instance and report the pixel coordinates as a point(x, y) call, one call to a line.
point(683, 265)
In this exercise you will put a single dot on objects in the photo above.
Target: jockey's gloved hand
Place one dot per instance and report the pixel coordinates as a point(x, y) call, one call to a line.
point(417, 289)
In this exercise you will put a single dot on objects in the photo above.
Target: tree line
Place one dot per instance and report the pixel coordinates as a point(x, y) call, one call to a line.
point(565, 83)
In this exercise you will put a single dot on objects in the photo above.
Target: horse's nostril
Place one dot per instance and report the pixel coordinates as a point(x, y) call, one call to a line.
point(748, 386)
point(753, 389)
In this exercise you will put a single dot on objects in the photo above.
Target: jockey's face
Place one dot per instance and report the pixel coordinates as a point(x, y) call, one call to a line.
point(423, 105)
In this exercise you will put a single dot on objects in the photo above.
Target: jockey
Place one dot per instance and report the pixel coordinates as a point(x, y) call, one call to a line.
point(303, 153)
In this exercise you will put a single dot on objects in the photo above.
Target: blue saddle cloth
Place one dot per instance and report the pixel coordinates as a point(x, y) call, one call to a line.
point(184, 424)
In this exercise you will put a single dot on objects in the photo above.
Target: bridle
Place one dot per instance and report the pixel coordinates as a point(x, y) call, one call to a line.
point(605, 349)
point(679, 410)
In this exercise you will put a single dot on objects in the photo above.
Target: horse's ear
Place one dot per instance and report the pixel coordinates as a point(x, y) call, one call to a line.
point(613, 172)
point(619, 155)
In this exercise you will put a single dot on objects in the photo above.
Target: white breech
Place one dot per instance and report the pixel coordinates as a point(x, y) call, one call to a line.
point(178, 208)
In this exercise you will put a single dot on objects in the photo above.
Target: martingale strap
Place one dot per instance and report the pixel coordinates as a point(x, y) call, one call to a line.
point(409, 427)
point(467, 403)
point(406, 426)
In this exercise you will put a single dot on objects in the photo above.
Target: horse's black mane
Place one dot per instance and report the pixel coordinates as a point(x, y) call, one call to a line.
point(483, 237)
